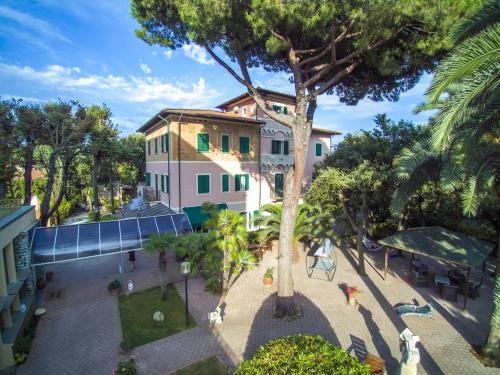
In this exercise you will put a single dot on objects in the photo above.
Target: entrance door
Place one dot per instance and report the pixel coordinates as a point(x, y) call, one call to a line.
point(278, 185)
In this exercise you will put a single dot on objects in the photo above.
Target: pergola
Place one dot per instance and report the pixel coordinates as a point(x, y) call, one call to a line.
point(442, 244)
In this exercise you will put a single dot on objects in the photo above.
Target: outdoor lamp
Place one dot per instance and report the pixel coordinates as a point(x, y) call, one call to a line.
point(185, 268)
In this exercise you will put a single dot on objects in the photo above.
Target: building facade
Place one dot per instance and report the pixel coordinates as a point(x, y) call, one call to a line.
point(237, 156)
point(16, 277)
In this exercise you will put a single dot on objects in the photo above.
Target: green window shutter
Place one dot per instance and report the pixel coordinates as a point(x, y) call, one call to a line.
point(285, 110)
point(167, 142)
point(203, 142)
point(149, 147)
point(237, 182)
point(156, 145)
point(225, 183)
point(225, 143)
point(286, 147)
point(203, 184)
point(167, 184)
point(247, 182)
point(244, 145)
point(162, 145)
point(273, 147)
point(148, 179)
point(162, 183)
point(318, 149)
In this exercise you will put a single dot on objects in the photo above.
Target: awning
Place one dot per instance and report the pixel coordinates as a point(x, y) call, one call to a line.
point(197, 215)
point(70, 242)
point(442, 244)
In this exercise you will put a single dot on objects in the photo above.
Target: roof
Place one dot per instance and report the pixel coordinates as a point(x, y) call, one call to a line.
point(200, 113)
point(263, 92)
point(139, 207)
point(326, 131)
point(442, 244)
point(197, 216)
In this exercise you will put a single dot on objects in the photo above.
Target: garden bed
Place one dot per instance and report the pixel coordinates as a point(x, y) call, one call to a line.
point(136, 314)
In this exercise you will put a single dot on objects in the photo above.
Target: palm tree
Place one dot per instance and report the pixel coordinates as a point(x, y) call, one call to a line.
point(465, 136)
point(161, 244)
point(311, 222)
point(229, 235)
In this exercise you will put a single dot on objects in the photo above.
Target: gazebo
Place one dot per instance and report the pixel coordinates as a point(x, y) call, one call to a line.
point(441, 244)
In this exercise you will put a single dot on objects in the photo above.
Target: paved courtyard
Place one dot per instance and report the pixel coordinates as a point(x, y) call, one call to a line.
point(81, 332)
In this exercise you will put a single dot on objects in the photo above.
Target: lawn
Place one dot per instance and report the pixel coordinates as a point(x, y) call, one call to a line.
point(209, 366)
point(136, 313)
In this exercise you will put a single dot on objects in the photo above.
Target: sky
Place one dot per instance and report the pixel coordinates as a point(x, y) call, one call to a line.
point(87, 50)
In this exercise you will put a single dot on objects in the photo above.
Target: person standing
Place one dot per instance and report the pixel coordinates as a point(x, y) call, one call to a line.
point(131, 259)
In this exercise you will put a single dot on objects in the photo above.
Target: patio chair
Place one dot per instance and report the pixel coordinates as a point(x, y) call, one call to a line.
point(322, 260)
point(407, 310)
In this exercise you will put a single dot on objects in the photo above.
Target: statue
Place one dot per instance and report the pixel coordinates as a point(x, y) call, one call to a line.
point(410, 355)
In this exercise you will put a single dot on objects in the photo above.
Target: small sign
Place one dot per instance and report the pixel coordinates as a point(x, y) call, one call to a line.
point(185, 268)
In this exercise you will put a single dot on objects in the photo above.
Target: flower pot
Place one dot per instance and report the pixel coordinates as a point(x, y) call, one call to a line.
point(353, 301)
point(49, 276)
point(40, 284)
point(268, 281)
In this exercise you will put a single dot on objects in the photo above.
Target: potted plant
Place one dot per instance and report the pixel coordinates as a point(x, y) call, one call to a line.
point(268, 277)
point(40, 283)
point(352, 293)
point(114, 286)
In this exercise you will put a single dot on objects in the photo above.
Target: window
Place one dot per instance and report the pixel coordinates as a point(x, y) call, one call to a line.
point(278, 184)
point(167, 184)
point(164, 143)
point(318, 149)
point(225, 143)
point(244, 145)
point(203, 184)
point(148, 179)
point(276, 108)
point(241, 182)
point(156, 186)
point(156, 146)
point(149, 147)
point(286, 147)
point(164, 183)
point(276, 147)
point(225, 183)
point(203, 142)
point(285, 110)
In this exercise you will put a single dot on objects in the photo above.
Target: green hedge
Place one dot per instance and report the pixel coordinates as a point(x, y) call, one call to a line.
point(301, 354)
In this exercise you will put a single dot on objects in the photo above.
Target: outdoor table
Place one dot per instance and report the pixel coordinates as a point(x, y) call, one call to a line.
point(441, 280)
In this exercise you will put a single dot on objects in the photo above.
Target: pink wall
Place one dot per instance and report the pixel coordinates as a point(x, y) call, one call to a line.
point(312, 159)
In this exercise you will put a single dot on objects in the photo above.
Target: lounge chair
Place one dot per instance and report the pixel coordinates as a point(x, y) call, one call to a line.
point(322, 260)
point(406, 310)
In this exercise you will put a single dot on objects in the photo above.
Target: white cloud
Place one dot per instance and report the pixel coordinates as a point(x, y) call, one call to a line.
point(168, 53)
point(145, 68)
point(34, 24)
point(197, 53)
point(152, 91)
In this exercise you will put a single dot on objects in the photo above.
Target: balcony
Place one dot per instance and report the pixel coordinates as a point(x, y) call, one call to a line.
point(270, 162)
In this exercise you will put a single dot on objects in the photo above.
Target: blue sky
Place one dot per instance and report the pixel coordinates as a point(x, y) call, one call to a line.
point(87, 50)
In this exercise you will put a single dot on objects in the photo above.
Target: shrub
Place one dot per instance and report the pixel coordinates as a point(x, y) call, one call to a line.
point(301, 354)
point(127, 367)
point(115, 284)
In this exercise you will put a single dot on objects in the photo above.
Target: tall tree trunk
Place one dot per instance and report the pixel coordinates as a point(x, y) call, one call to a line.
point(492, 347)
point(64, 183)
point(285, 305)
point(51, 175)
point(95, 188)
point(112, 188)
point(363, 229)
point(28, 168)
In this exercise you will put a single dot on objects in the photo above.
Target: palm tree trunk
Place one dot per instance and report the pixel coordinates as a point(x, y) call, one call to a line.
point(162, 267)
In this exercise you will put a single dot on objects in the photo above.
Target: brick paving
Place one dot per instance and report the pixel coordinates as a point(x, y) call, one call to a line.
point(81, 332)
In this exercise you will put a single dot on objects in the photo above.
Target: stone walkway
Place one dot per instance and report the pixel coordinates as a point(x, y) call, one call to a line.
point(81, 332)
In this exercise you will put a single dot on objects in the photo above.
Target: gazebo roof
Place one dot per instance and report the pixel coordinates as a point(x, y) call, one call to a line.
point(440, 243)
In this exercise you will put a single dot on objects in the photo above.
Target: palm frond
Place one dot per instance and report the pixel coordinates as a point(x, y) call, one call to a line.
point(477, 183)
point(482, 17)
point(412, 157)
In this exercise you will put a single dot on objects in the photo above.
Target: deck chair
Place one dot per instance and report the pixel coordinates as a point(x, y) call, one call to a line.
point(406, 310)
point(322, 260)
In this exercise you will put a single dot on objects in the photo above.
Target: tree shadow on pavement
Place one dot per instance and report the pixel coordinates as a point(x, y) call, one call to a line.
point(265, 327)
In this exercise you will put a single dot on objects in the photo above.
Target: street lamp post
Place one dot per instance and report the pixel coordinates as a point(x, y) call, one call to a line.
point(185, 268)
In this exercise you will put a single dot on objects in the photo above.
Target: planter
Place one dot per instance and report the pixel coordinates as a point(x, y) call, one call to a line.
point(40, 284)
point(49, 276)
point(353, 301)
point(115, 291)
point(268, 281)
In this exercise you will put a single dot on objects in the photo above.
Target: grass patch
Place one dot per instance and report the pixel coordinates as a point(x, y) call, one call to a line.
point(136, 313)
point(209, 366)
